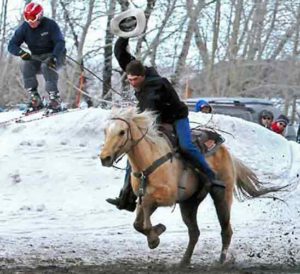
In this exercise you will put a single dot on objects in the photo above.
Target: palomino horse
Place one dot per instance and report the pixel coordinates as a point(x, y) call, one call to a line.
point(160, 178)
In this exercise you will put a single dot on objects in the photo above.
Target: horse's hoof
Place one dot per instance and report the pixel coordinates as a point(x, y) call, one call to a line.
point(159, 229)
point(153, 243)
point(223, 258)
point(184, 263)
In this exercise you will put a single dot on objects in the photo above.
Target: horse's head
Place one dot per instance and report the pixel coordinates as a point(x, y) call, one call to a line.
point(117, 140)
point(124, 131)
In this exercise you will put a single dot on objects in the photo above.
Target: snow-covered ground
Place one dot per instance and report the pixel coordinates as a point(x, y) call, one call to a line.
point(53, 190)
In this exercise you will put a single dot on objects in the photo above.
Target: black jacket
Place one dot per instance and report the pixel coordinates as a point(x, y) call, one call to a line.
point(157, 93)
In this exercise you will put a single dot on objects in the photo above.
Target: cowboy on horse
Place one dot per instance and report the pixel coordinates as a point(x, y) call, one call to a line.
point(155, 93)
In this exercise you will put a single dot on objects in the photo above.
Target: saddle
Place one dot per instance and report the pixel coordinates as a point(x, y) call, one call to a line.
point(206, 140)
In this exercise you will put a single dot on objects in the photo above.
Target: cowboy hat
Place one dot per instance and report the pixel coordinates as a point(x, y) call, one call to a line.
point(129, 23)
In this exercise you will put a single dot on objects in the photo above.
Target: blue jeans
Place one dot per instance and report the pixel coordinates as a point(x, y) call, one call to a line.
point(186, 145)
point(127, 175)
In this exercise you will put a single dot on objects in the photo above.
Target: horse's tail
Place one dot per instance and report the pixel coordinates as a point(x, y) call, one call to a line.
point(247, 183)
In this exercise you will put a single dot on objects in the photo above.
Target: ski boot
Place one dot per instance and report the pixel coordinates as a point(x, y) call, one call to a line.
point(35, 102)
point(54, 104)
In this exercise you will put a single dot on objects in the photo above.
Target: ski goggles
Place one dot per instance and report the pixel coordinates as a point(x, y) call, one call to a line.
point(32, 18)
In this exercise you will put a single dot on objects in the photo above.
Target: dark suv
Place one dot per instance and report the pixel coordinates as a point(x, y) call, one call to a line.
point(242, 107)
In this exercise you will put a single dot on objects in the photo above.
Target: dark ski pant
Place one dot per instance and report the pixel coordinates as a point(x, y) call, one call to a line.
point(32, 67)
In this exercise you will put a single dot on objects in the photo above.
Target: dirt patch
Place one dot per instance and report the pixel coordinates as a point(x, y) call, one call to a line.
point(130, 267)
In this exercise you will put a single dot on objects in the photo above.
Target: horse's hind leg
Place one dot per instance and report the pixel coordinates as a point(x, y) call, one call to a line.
point(188, 210)
point(223, 212)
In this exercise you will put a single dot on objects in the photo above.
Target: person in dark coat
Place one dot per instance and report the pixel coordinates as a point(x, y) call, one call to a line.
point(155, 93)
point(47, 52)
point(265, 118)
point(280, 124)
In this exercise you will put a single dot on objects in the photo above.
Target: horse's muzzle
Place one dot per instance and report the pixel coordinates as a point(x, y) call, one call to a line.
point(107, 161)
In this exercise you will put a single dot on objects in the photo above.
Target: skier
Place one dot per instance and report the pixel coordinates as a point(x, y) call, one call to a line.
point(47, 53)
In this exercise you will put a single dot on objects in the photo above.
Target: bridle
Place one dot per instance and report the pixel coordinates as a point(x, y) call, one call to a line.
point(129, 138)
point(142, 175)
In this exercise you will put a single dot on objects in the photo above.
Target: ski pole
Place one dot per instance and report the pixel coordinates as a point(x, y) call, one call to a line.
point(72, 84)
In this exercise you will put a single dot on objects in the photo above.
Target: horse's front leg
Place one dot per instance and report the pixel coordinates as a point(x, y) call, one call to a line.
point(152, 232)
point(139, 220)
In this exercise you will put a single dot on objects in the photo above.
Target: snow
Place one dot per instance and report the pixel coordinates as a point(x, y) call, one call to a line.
point(53, 191)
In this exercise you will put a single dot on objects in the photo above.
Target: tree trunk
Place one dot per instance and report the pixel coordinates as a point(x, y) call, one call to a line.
point(108, 52)
point(148, 11)
point(193, 13)
point(256, 29)
point(3, 26)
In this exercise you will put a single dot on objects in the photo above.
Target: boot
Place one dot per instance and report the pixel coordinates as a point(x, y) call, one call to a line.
point(121, 203)
point(126, 199)
point(54, 103)
point(35, 102)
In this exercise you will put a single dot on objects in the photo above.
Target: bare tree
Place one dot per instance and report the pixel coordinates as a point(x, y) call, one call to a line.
point(3, 18)
point(193, 12)
point(148, 11)
point(79, 38)
point(107, 70)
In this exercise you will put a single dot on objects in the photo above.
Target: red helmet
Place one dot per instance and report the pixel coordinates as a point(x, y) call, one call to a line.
point(33, 12)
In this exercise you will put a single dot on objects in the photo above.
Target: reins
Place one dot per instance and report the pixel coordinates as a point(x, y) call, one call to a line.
point(144, 174)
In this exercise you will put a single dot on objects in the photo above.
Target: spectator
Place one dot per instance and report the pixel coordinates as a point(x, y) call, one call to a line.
point(280, 124)
point(265, 118)
point(203, 106)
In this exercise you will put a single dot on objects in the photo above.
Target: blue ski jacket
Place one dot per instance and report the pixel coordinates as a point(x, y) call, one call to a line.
point(46, 38)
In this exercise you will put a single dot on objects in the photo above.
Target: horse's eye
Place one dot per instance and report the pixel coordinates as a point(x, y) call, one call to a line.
point(122, 132)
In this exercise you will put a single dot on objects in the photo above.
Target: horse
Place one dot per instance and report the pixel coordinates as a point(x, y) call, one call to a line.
point(161, 178)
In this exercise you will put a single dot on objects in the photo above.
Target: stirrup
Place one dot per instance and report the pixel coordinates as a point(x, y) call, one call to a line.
point(218, 183)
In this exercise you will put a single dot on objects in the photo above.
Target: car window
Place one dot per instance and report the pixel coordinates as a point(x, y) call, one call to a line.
point(235, 112)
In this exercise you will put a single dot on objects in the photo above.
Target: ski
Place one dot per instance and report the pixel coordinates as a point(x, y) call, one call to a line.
point(15, 119)
point(46, 115)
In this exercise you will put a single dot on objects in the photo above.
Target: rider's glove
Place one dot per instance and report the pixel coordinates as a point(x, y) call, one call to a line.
point(25, 55)
point(51, 62)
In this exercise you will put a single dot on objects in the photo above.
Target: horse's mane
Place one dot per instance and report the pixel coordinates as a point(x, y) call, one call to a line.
point(144, 120)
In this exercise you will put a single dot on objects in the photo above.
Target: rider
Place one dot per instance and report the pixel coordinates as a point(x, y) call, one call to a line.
point(155, 93)
point(47, 46)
